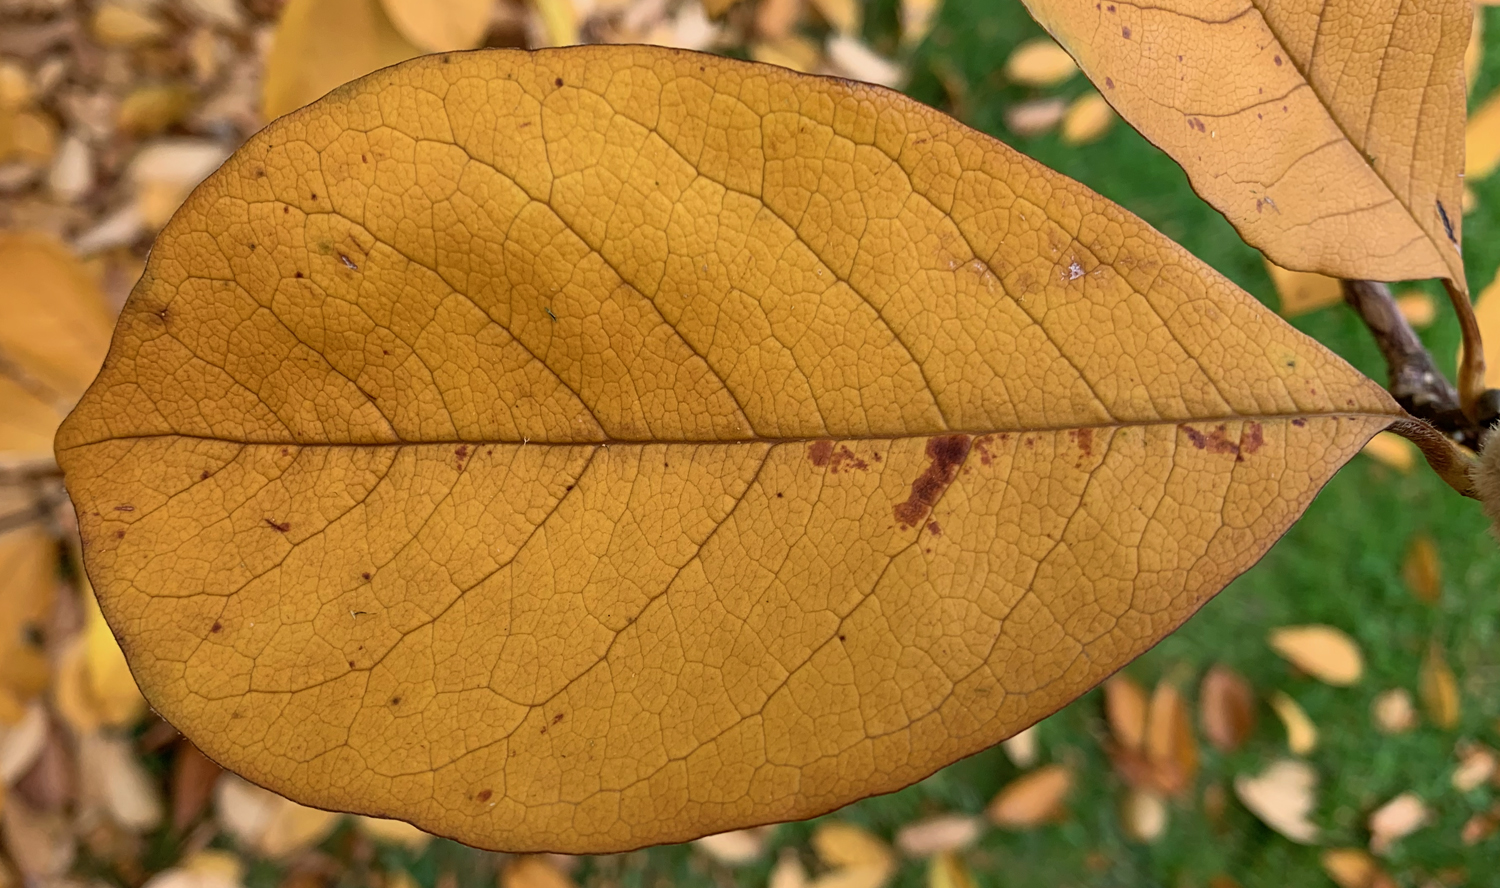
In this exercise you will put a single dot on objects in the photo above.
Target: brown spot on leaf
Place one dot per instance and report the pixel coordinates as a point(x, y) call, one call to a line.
point(819, 452)
point(125, 507)
point(934, 528)
point(1251, 438)
point(484, 795)
point(1299, 422)
point(1277, 59)
point(1126, 32)
point(283, 527)
point(217, 627)
point(947, 453)
point(1084, 438)
point(557, 718)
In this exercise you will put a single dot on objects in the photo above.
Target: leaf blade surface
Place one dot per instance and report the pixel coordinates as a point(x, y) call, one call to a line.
point(599, 447)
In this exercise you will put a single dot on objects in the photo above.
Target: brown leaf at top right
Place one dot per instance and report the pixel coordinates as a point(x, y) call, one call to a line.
point(1265, 106)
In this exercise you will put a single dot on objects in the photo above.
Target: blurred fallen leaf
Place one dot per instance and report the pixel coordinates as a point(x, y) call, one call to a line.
point(1021, 749)
point(1354, 868)
point(149, 109)
point(1439, 689)
point(735, 848)
point(192, 784)
point(1394, 712)
point(94, 688)
point(266, 823)
point(21, 743)
point(917, 19)
point(72, 174)
point(394, 832)
point(717, 8)
point(532, 871)
point(113, 776)
point(934, 835)
point(946, 870)
point(1480, 826)
point(1422, 570)
point(50, 784)
point(852, 59)
point(1303, 291)
point(1171, 747)
point(40, 844)
point(841, 15)
point(441, 25)
point(788, 871)
point(1227, 706)
point(1143, 815)
point(304, 63)
point(1487, 307)
point(1476, 766)
point(1482, 139)
point(1032, 799)
point(1301, 733)
point(1396, 819)
point(1392, 450)
point(1474, 52)
point(1036, 117)
point(1087, 119)
point(856, 858)
point(794, 52)
point(165, 171)
point(559, 21)
point(1418, 308)
point(1040, 62)
point(774, 19)
point(28, 585)
point(1324, 652)
point(118, 23)
point(1125, 709)
point(1282, 796)
point(202, 869)
point(1215, 804)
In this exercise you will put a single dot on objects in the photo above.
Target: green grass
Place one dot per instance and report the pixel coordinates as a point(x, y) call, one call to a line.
point(1339, 565)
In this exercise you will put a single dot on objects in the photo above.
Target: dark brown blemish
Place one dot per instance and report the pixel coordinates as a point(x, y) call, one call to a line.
point(203, 476)
point(981, 444)
point(1447, 223)
point(1109, 8)
point(119, 534)
point(947, 453)
point(934, 528)
point(558, 81)
point(283, 527)
point(779, 494)
point(351, 664)
point(299, 274)
point(1109, 82)
point(1126, 32)
point(363, 159)
point(1251, 438)
point(33, 635)
point(837, 458)
point(819, 452)
point(260, 174)
point(395, 701)
point(484, 795)
point(216, 627)
point(1217, 441)
point(365, 576)
point(125, 507)
point(1277, 60)
point(1299, 423)
point(462, 452)
point(286, 210)
point(315, 195)
point(1084, 438)
point(285, 452)
point(557, 718)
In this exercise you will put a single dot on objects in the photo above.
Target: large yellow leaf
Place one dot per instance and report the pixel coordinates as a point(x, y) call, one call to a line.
point(614, 445)
point(1329, 132)
point(54, 329)
point(320, 44)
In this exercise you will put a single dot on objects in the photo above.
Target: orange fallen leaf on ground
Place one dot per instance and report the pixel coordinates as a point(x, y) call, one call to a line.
point(1394, 711)
point(441, 25)
point(1285, 97)
point(1040, 62)
point(1033, 799)
point(1395, 820)
point(449, 442)
point(734, 848)
point(855, 857)
point(305, 63)
point(1171, 747)
point(947, 870)
point(1087, 120)
point(939, 834)
point(532, 871)
point(1391, 450)
point(1125, 708)
point(1476, 766)
point(1354, 868)
point(1226, 705)
point(1326, 653)
point(1300, 292)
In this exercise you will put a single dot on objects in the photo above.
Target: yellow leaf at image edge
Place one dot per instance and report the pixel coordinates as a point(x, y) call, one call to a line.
point(1389, 448)
point(1487, 314)
point(94, 688)
point(28, 589)
point(1482, 139)
point(532, 871)
point(947, 870)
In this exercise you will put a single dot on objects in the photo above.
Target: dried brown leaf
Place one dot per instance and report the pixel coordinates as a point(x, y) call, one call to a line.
point(1422, 570)
point(192, 785)
point(1171, 747)
point(1226, 705)
point(1125, 707)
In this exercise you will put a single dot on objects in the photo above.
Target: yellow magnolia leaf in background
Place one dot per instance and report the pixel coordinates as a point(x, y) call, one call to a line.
point(947, 870)
point(1040, 62)
point(28, 589)
point(1482, 139)
point(54, 329)
point(441, 25)
point(1301, 733)
point(321, 44)
point(1283, 796)
point(1035, 798)
point(1438, 688)
point(1087, 120)
point(1327, 653)
point(1267, 105)
point(1422, 569)
point(591, 448)
point(1392, 450)
point(1226, 704)
point(94, 688)
point(532, 871)
point(1303, 291)
point(1487, 313)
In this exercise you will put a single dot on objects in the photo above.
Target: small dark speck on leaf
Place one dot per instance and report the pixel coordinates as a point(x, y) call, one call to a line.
point(1109, 82)
point(843, 638)
point(484, 795)
point(558, 81)
point(1299, 423)
point(286, 210)
point(33, 635)
point(125, 507)
point(1447, 223)
point(779, 494)
point(282, 527)
point(203, 476)
point(365, 576)
point(934, 528)
point(119, 534)
point(1125, 32)
point(557, 718)
point(570, 486)
point(299, 274)
point(1277, 59)
point(363, 159)
point(315, 195)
